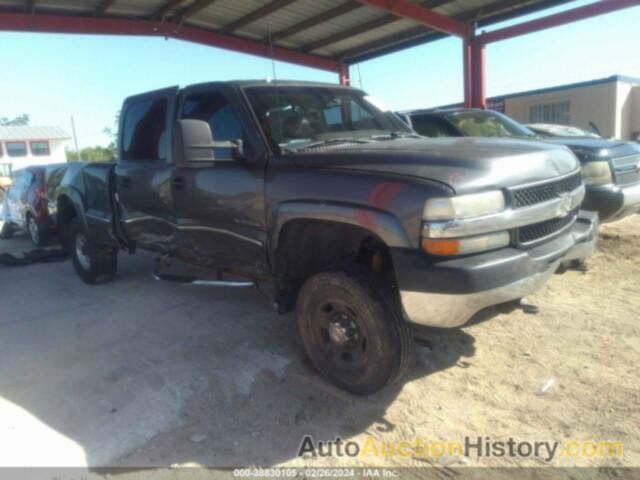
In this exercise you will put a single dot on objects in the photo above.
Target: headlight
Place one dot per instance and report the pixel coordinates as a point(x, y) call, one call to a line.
point(464, 246)
point(464, 206)
point(596, 173)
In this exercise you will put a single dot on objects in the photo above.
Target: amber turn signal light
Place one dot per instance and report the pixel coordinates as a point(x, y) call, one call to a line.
point(441, 247)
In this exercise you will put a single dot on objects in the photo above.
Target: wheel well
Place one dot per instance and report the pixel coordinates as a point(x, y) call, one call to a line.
point(307, 247)
point(66, 213)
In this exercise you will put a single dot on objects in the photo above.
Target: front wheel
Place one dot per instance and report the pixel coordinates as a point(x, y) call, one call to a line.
point(352, 334)
point(93, 263)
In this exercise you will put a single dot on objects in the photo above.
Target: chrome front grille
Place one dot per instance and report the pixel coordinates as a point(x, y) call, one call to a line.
point(526, 196)
point(627, 169)
point(542, 230)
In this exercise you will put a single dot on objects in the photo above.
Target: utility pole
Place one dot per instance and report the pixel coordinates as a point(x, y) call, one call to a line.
point(75, 137)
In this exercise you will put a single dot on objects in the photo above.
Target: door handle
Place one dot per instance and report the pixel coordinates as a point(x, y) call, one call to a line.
point(178, 183)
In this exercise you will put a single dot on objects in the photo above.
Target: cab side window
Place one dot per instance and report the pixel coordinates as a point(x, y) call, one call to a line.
point(215, 109)
point(144, 131)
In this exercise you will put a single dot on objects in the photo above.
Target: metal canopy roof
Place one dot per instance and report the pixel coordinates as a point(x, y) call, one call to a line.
point(303, 31)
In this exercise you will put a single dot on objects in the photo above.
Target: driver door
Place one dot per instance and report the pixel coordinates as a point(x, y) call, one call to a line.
point(220, 204)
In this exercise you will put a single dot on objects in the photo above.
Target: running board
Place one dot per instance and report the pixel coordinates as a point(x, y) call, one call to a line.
point(198, 281)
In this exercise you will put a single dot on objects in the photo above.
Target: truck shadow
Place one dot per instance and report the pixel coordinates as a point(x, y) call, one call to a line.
point(265, 425)
point(140, 373)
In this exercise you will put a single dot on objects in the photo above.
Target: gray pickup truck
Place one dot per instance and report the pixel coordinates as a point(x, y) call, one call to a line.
point(359, 223)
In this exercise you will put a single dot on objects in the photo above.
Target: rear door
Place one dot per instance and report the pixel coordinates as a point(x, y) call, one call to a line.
point(144, 171)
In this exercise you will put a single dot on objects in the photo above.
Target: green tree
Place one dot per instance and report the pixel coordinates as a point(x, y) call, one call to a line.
point(19, 121)
point(98, 153)
point(112, 133)
point(91, 154)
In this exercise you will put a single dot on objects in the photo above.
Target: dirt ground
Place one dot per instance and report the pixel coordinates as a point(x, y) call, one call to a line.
point(141, 373)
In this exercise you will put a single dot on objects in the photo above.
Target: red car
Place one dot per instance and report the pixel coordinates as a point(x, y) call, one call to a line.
point(26, 204)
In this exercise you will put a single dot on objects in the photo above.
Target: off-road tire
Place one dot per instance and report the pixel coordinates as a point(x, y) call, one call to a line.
point(377, 355)
point(98, 264)
point(39, 235)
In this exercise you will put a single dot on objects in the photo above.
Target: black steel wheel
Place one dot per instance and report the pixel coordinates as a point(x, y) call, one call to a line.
point(93, 263)
point(353, 336)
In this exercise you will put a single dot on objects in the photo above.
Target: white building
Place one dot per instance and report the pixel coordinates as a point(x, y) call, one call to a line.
point(24, 146)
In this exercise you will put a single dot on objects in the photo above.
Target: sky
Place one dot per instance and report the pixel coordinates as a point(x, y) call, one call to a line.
point(53, 77)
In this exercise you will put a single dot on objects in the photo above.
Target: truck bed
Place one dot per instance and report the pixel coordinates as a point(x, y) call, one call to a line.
point(90, 187)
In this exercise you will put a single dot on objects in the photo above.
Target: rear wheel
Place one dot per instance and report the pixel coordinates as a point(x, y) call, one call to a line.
point(37, 234)
point(93, 263)
point(352, 334)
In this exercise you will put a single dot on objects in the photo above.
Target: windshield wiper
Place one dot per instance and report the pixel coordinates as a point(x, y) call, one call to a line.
point(332, 141)
point(394, 135)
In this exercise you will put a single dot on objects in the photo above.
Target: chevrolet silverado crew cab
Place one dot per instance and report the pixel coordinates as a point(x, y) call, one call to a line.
point(610, 168)
point(360, 224)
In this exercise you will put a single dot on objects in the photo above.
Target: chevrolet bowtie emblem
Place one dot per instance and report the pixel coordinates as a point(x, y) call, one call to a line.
point(564, 207)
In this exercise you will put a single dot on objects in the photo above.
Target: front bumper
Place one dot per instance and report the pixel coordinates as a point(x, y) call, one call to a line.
point(613, 202)
point(447, 294)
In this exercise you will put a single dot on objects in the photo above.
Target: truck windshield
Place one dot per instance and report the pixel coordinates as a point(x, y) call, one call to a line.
point(296, 118)
point(488, 124)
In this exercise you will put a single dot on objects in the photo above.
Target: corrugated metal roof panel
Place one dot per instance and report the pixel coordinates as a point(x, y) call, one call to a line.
point(348, 21)
point(33, 133)
point(134, 7)
point(214, 15)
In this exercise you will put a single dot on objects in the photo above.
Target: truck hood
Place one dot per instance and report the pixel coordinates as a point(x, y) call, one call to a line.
point(465, 164)
point(597, 148)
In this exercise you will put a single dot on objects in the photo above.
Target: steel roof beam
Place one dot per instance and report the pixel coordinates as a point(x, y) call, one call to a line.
point(316, 20)
point(562, 18)
point(169, 5)
point(103, 7)
point(351, 32)
point(193, 9)
point(29, 6)
point(261, 12)
point(21, 22)
point(359, 29)
point(419, 14)
point(395, 38)
point(491, 13)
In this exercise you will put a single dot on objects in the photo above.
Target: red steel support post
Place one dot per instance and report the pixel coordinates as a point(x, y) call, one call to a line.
point(478, 75)
point(467, 72)
point(343, 73)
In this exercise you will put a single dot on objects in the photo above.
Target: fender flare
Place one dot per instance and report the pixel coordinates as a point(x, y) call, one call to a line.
point(75, 198)
point(382, 224)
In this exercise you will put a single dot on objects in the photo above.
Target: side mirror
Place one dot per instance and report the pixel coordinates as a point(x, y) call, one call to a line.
point(198, 144)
